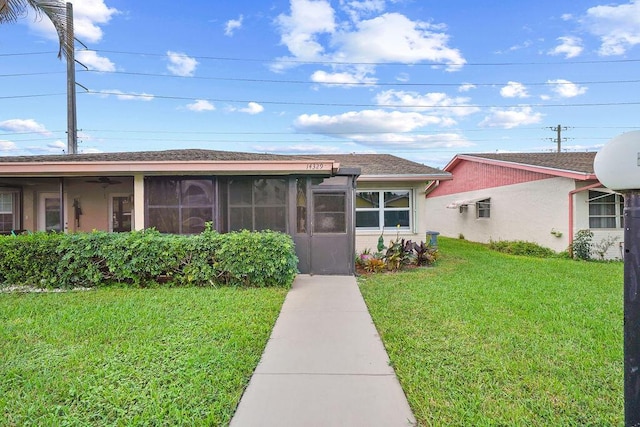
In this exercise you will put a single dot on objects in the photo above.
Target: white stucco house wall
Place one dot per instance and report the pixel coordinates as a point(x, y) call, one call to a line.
point(544, 198)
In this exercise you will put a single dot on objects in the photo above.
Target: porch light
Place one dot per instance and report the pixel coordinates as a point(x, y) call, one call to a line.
point(617, 167)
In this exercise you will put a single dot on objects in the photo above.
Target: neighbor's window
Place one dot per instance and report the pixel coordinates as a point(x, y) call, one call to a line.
point(483, 208)
point(177, 205)
point(7, 218)
point(258, 204)
point(605, 210)
point(380, 209)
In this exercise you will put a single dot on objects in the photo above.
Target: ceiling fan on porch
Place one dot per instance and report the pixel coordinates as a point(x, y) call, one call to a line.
point(104, 181)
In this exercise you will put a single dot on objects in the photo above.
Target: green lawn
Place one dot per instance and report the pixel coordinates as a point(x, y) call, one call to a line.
point(487, 339)
point(179, 356)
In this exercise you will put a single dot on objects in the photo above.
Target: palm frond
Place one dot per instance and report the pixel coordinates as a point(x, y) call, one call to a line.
point(54, 10)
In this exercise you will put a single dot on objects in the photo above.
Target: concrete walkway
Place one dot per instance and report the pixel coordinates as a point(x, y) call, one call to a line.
point(324, 364)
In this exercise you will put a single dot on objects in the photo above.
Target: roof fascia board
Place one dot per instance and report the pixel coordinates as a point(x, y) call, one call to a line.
point(320, 167)
point(582, 176)
point(406, 178)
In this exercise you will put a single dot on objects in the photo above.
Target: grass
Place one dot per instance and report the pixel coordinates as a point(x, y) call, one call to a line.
point(161, 356)
point(488, 339)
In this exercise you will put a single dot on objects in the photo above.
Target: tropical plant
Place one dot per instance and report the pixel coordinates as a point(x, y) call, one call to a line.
point(54, 10)
point(581, 246)
point(425, 254)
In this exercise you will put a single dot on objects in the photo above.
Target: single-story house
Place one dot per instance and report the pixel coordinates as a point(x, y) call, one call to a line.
point(332, 205)
point(538, 197)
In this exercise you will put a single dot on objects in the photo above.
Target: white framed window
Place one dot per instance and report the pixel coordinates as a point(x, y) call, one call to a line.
point(8, 208)
point(483, 208)
point(384, 209)
point(605, 210)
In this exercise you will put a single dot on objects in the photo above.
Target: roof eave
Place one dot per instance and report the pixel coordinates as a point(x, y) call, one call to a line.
point(404, 178)
point(319, 167)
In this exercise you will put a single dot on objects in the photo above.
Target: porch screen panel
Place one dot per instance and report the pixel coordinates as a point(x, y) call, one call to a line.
point(258, 204)
point(329, 213)
point(178, 205)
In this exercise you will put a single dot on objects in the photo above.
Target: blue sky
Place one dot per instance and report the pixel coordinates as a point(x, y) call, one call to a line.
point(423, 80)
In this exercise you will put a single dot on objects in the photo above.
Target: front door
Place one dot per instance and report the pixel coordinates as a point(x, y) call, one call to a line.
point(49, 212)
point(324, 234)
point(331, 240)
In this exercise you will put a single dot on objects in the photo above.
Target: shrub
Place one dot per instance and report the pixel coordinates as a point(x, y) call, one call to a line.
point(143, 258)
point(581, 246)
point(521, 247)
point(603, 246)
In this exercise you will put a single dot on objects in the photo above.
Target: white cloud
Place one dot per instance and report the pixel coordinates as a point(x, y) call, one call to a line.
point(511, 117)
point(232, 25)
point(412, 141)
point(201, 105)
point(6, 146)
point(366, 121)
point(88, 17)
point(93, 61)
point(466, 87)
point(126, 96)
point(55, 147)
point(345, 78)
point(298, 149)
point(566, 89)
point(617, 26)
point(300, 30)
point(569, 46)
point(180, 64)
point(433, 102)
point(24, 125)
point(393, 37)
point(514, 90)
point(251, 108)
point(359, 9)
point(311, 32)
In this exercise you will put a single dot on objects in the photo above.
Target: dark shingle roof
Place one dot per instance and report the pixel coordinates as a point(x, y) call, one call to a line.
point(567, 161)
point(379, 164)
point(370, 164)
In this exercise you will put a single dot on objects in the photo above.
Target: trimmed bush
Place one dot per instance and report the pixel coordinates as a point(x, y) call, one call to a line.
point(145, 258)
point(521, 247)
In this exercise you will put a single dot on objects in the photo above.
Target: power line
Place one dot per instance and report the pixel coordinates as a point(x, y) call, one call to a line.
point(329, 104)
point(309, 82)
point(430, 64)
point(327, 62)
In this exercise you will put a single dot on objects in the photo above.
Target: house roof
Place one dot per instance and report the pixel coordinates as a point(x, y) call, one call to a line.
point(577, 165)
point(372, 166)
point(384, 166)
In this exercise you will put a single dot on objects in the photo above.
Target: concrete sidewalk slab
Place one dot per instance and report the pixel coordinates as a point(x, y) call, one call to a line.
point(324, 364)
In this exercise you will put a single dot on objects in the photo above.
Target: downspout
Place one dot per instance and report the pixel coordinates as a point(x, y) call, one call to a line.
point(571, 193)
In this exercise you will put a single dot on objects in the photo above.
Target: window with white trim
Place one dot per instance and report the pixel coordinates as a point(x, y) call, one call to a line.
point(8, 211)
point(383, 209)
point(605, 210)
point(483, 208)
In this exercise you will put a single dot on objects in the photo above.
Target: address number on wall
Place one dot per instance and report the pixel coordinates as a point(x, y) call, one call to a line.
point(315, 166)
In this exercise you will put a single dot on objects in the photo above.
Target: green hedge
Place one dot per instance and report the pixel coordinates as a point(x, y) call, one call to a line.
point(144, 258)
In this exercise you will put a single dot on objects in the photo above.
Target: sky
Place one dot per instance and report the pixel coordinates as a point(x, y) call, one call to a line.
point(420, 79)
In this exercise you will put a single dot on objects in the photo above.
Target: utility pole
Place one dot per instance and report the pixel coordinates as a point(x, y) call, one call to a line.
point(558, 139)
point(72, 132)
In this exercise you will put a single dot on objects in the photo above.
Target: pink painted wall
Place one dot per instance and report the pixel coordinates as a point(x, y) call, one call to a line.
point(470, 176)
